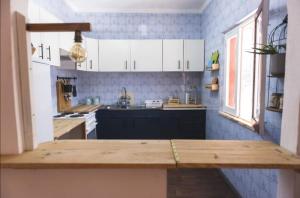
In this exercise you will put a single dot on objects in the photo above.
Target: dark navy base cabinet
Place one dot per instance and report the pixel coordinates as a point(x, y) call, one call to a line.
point(151, 124)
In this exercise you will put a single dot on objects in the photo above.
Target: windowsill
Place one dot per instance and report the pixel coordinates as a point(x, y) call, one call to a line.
point(244, 123)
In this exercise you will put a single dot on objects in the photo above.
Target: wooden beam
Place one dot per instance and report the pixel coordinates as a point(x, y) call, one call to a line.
point(58, 27)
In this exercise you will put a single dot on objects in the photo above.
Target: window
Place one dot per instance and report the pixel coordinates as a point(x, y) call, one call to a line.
point(242, 71)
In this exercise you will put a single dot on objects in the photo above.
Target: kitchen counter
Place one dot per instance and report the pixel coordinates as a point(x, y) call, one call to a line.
point(232, 154)
point(165, 107)
point(69, 128)
point(95, 154)
point(162, 154)
point(83, 108)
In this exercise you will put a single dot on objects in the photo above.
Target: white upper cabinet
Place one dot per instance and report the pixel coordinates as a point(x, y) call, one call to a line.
point(50, 40)
point(114, 55)
point(66, 40)
point(193, 55)
point(92, 61)
point(46, 44)
point(34, 17)
point(146, 55)
point(172, 55)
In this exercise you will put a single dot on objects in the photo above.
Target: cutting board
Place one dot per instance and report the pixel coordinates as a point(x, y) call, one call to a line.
point(83, 108)
point(62, 104)
point(183, 106)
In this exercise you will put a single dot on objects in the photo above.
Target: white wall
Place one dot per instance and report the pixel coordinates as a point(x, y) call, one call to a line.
point(289, 181)
point(80, 183)
point(11, 111)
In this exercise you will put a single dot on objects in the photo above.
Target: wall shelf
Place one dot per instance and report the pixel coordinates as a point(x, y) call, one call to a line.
point(274, 109)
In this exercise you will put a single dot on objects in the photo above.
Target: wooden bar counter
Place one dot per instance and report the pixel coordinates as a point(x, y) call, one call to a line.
point(127, 168)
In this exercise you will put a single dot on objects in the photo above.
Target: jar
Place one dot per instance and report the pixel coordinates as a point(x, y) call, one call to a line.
point(275, 100)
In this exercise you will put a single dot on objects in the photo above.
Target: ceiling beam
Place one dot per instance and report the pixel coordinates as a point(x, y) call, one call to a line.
point(58, 27)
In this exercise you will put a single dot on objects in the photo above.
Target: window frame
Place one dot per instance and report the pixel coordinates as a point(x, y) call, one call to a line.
point(234, 114)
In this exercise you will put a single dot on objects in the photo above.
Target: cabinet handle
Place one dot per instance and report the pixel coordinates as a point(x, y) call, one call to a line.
point(134, 64)
point(126, 65)
point(49, 53)
point(179, 64)
point(42, 51)
point(188, 64)
point(91, 64)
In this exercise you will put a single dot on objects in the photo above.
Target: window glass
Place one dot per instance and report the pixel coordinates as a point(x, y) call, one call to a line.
point(231, 72)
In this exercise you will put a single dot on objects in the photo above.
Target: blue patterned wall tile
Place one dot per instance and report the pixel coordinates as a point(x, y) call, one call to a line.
point(220, 15)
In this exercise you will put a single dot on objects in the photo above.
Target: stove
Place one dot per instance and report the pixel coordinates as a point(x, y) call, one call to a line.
point(89, 117)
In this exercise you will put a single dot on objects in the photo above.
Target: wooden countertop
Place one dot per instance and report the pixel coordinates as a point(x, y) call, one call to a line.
point(232, 154)
point(63, 126)
point(95, 154)
point(84, 108)
point(154, 154)
point(183, 107)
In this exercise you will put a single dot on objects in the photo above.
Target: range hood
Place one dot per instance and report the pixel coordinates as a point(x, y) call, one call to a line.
point(65, 60)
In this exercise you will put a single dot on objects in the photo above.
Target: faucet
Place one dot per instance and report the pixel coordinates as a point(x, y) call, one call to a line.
point(124, 100)
point(125, 92)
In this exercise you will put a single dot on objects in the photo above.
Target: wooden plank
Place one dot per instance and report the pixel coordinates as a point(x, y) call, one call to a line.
point(84, 108)
point(63, 126)
point(95, 154)
point(62, 103)
point(173, 105)
point(233, 154)
point(58, 27)
point(24, 69)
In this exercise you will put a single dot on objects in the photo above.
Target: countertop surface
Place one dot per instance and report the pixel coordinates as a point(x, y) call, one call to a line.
point(232, 154)
point(161, 154)
point(165, 107)
point(63, 126)
point(95, 154)
point(83, 108)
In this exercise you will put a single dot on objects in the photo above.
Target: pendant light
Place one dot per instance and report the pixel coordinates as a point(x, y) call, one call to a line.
point(77, 53)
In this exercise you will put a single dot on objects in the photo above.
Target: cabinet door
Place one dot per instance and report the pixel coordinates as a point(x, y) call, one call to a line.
point(146, 55)
point(92, 61)
point(41, 94)
point(193, 55)
point(66, 40)
point(172, 55)
point(34, 17)
point(114, 55)
point(50, 40)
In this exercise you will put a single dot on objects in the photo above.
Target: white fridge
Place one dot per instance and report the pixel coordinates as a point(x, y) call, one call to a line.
point(41, 102)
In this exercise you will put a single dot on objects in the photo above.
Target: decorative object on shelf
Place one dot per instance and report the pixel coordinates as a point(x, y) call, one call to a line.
point(77, 53)
point(214, 86)
point(213, 63)
point(276, 48)
point(275, 100)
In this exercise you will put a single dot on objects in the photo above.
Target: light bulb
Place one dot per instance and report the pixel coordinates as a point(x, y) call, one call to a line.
point(77, 53)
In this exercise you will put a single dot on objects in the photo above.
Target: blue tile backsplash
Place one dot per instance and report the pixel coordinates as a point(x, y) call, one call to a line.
point(217, 17)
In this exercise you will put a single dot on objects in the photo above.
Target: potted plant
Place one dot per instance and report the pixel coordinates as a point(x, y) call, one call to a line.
point(215, 60)
point(276, 48)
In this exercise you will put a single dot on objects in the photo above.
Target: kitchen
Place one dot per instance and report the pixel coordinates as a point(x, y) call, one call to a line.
point(158, 72)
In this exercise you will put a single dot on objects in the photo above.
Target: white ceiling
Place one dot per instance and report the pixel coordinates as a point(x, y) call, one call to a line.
point(138, 6)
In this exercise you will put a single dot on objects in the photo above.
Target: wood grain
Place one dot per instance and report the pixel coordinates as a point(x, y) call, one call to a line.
point(25, 89)
point(95, 154)
point(62, 104)
point(83, 108)
point(173, 105)
point(64, 126)
point(58, 27)
point(233, 154)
